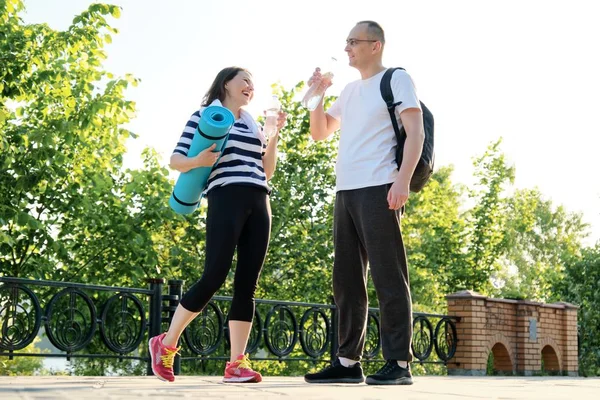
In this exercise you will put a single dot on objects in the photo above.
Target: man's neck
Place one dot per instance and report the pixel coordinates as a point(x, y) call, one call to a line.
point(371, 70)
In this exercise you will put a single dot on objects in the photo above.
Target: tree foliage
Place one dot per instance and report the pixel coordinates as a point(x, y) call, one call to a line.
point(580, 286)
point(62, 140)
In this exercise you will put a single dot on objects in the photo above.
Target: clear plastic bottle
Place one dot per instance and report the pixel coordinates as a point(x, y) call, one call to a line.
point(315, 93)
point(272, 114)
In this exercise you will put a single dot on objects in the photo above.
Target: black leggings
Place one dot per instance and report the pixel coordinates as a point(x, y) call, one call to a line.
point(239, 216)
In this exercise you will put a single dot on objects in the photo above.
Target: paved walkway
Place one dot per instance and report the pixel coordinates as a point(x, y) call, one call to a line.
point(282, 388)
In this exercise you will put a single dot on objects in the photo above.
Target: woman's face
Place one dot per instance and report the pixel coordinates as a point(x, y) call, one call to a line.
point(240, 89)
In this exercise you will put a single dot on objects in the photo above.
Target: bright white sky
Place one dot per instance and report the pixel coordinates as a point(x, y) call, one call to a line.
point(522, 69)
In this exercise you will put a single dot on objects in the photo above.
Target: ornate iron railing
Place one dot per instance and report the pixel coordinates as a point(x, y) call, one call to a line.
point(72, 314)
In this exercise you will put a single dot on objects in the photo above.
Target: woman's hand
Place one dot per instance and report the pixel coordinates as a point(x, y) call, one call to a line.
point(207, 157)
point(281, 120)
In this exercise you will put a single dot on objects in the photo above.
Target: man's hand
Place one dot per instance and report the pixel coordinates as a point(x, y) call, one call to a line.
point(398, 194)
point(317, 78)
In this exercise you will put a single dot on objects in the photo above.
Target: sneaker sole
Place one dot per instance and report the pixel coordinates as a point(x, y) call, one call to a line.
point(249, 379)
point(156, 374)
point(399, 381)
point(340, 380)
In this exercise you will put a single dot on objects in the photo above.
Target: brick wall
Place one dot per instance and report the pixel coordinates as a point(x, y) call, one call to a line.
point(520, 334)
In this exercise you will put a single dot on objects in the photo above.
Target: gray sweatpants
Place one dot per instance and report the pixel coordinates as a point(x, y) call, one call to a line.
point(366, 230)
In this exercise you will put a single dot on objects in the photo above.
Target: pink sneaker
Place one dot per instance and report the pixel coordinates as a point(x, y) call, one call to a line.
point(239, 371)
point(162, 358)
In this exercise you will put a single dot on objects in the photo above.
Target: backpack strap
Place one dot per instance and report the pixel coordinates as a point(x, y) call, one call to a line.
point(386, 92)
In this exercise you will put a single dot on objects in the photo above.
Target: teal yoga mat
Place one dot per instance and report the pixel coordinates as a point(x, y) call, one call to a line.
point(213, 127)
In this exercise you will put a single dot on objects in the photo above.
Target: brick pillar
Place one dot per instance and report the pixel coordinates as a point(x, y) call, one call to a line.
point(470, 357)
point(570, 361)
point(528, 358)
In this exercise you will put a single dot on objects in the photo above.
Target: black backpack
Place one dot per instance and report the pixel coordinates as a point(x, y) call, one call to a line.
point(424, 168)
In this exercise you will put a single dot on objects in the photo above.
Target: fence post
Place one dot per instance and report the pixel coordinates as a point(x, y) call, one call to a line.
point(175, 293)
point(334, 330)
point(155, 313)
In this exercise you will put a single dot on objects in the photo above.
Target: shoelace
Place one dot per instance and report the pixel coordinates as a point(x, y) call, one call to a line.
point(387, 368)
point(244, 363)
point(169, 358)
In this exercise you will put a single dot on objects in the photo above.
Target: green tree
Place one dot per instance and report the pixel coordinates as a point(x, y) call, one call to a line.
point(539, 240)
point(300, 258)
point(580, 287)
point(62, 141)
point(487, 220)
point(68, 210)
point(435, 236)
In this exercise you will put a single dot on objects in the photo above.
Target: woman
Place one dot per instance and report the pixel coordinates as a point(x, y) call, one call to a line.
point(239, 215)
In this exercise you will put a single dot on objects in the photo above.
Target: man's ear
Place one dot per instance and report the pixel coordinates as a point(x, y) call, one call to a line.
point(377, 46)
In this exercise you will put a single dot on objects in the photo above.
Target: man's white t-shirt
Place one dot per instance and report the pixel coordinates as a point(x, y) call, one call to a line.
point(367, 148)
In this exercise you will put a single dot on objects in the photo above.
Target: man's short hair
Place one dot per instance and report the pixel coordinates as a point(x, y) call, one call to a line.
point(375, 30)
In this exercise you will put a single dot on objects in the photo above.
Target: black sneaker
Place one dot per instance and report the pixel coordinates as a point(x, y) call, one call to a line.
point(391, 374)
point(337, 373)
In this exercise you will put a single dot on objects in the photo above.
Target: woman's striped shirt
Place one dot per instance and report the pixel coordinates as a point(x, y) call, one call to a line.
point(241, 161)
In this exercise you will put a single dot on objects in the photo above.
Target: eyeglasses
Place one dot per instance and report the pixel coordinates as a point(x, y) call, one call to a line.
point(354, 42)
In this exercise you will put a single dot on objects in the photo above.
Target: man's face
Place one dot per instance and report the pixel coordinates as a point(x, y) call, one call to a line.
point(360, 47)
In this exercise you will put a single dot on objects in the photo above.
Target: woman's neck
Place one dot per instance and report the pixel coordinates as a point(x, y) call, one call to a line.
point(234, 108)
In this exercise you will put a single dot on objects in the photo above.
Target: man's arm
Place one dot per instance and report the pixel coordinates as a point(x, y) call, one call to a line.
point(412, 120)
point(322, 125)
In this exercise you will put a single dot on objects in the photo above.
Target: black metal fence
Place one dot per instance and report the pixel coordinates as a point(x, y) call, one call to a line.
point(73, 313)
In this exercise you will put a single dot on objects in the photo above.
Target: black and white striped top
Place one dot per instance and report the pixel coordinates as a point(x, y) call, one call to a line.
point(241, 161)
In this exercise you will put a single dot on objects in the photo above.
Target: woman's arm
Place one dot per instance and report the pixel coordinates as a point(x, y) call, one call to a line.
point(270, 156)
point(206, 158)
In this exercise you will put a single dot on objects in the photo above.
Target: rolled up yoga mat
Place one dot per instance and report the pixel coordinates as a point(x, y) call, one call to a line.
point(213, 127)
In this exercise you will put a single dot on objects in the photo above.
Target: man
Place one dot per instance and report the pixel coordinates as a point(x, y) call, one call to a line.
point(370, 191)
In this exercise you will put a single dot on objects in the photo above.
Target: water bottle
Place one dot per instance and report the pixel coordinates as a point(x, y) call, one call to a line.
point(272, 115)
point(315, 93)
